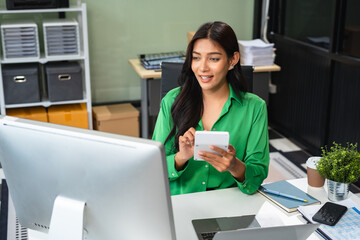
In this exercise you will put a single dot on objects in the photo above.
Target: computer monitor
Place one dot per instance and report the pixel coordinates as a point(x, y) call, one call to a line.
point(122, 181)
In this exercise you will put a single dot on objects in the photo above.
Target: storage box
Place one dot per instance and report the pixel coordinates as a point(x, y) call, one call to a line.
point(74, 115)
point(35, 4)
point(118, 118)
point(190, 35)
point(32, 113)
point(352, 41)
point(20, 40)
point(21, 83)
point(64, 81)
point(61, 38)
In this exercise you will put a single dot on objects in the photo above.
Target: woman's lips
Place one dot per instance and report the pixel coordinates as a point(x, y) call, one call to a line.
point(206, 78)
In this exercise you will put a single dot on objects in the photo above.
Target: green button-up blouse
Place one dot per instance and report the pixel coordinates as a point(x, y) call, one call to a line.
point(245, 118)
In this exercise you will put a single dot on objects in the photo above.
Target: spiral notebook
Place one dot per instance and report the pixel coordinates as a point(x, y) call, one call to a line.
point(289, 205)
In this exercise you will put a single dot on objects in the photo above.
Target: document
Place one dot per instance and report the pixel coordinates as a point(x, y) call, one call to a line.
point(256, 52)
point(348, 226)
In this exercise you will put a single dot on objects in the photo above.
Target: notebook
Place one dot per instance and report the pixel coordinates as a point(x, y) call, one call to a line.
point(289, 205)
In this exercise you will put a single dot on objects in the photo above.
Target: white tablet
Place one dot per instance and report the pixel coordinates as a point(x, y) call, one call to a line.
point(203, 140)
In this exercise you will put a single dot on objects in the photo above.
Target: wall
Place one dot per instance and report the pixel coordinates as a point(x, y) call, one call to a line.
point(120, 30)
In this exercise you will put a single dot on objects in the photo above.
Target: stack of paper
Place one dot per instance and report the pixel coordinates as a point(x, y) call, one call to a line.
point(256, 52)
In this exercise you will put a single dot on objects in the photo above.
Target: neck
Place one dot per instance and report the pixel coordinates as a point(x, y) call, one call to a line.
point(218, 94)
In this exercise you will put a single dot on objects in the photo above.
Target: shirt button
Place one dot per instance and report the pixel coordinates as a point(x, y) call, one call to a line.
point(173, 174)
point(203, 183)
point(206, 165)
point(214, 129)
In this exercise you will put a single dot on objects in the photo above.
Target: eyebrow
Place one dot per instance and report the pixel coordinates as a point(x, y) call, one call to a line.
point(210, 53)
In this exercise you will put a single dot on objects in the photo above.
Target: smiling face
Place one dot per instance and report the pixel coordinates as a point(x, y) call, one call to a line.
point(210, 64)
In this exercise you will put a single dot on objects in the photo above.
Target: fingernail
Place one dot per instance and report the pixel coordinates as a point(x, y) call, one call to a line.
point(211, 147)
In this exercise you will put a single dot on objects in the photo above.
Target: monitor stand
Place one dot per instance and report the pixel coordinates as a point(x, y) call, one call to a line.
point(36, 235)
point(67, 219)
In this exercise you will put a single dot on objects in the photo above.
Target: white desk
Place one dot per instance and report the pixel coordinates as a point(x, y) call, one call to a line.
point(226, 203)
point(232, 202)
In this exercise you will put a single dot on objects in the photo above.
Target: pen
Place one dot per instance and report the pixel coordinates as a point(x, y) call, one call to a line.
point(284, 195)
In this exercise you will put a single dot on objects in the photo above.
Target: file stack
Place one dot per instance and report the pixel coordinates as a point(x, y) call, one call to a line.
point(61, 37)
point(20, 40)
point(256, 52)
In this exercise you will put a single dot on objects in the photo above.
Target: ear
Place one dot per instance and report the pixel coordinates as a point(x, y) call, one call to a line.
point(234, 60)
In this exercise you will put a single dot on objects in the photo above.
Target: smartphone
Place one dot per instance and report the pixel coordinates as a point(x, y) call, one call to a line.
point(330, 213)
point(203, 140)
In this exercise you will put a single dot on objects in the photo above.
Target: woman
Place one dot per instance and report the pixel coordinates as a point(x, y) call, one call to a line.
point(212, 96)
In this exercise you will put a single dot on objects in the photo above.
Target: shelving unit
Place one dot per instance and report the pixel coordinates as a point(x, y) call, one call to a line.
point(83, 59)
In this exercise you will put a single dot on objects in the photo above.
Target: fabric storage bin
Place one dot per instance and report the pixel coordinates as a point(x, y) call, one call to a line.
point(118, 118)
point(64, 81)
point(21, 83)
point(74, 115)
point(32, 113)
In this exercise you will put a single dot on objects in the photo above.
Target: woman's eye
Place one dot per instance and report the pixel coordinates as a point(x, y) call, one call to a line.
point(214, 59)
point(195, 58)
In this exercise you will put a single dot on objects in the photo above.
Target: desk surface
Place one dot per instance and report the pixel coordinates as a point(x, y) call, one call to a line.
point(226, 203)
point(144, 73)
point(232, 202)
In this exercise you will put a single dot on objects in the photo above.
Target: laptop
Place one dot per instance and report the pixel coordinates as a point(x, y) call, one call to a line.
point(247, 227)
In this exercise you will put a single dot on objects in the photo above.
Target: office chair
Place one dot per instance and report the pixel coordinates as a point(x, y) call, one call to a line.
point(172, 70)
point(248, 71)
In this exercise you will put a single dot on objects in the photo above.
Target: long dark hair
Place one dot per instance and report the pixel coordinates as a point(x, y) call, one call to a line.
point(187, 108)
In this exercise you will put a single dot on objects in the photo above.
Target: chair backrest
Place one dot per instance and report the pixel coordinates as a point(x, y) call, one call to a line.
point(172, 70)
point(248, 72)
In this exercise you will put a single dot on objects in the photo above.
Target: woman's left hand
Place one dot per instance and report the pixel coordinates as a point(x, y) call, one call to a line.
point(227, 161)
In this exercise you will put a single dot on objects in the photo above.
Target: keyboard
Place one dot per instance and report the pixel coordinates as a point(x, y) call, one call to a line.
point(154, 60)
point(208, 235)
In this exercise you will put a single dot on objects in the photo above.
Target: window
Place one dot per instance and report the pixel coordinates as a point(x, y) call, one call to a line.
point(309, 21)
point(351, 33)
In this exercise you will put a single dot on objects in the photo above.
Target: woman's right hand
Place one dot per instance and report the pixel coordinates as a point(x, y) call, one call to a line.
point(186, 148)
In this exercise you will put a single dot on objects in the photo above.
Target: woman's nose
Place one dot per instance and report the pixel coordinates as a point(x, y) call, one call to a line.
point(204, 66)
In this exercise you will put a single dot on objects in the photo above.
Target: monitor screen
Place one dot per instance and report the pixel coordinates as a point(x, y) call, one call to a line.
point(121, 181)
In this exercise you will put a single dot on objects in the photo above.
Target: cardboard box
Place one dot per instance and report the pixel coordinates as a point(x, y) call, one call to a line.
point(190, 35)
point(32, 113)
point(118, 118)
point(352, 41)
point(74, 115)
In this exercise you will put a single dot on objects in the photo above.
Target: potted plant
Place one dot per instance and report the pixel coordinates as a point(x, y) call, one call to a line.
point(340, 166)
